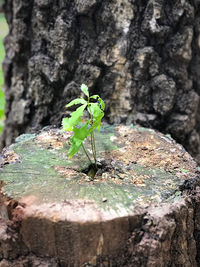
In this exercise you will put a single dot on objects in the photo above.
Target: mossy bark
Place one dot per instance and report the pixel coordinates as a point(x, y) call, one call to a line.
point(139, 210)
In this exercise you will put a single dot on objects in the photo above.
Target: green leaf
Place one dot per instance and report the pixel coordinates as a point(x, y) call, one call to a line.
point(69, 123)
point(80, 133)
point(76, 102)
point(84, 89)
point(74, 123)
point(102, 104)
point(75, 146)
point(97, 114)
point(1, 113)
point(97, 123)
point(94, 96)
point(95, 110)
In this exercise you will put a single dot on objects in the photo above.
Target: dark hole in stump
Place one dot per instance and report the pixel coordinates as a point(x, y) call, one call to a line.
point(91, 170)
point(102, 166)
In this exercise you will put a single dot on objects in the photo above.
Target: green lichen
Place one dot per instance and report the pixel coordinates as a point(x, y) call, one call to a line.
point(24, 137)
point(37, 175)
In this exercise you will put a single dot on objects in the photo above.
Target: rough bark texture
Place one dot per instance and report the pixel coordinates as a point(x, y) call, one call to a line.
point(142, 57)
point(142, 210)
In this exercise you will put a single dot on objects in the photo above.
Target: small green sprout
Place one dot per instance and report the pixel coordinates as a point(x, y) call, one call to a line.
point(84, 128)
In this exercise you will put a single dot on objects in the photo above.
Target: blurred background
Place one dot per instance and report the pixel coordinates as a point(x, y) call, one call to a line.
point(3, 33)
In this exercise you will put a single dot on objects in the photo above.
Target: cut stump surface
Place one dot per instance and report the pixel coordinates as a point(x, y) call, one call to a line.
point(138, 209)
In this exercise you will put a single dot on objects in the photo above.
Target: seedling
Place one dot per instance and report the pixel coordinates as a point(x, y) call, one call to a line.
point(94, 107)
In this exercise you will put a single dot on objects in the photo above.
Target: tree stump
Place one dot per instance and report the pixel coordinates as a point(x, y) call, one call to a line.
point(141, 208)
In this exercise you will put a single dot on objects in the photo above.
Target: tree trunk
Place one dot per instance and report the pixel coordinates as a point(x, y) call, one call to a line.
point(142, 57)
point(141, 209)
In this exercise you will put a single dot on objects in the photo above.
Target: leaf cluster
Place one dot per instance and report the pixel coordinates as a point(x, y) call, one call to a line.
point(94, 106)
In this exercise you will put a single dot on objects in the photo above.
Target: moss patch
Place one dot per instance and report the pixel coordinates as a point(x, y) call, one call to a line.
point(43, 170)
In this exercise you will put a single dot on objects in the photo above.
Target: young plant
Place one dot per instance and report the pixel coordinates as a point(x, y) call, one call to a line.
point(94, 106)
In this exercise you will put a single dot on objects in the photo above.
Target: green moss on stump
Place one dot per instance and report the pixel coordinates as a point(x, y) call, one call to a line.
point(40, 168)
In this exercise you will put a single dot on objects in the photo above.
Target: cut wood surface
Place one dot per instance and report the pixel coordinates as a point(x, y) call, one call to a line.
point(139, 208)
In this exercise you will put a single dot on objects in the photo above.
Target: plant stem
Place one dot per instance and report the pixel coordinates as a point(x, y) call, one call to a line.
point(93, 142)
point(93, 149)
point(86, 153)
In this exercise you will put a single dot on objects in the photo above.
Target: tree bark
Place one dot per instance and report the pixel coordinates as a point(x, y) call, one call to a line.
point(142, 57)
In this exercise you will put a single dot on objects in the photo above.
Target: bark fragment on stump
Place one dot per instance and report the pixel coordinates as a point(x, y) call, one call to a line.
point(138, 210)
